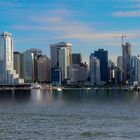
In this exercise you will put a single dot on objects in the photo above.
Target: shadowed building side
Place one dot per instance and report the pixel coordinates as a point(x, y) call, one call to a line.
point(43, 66)
point(126, 59)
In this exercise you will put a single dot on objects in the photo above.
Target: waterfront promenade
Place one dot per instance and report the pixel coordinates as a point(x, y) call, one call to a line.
point(15, 88)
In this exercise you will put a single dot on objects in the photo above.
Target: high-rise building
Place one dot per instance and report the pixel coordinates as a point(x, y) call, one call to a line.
point(76, 58)
point(54, 53)
point(36, 54)
point(59, 51)
point(120, 61)
point(56, 76)
point(102, 55)
point(111, 71)
point(17, 63)
point(64, 62)
point(77, 73)
point(135, 69)
point(126, 60)
point(73, 71)
point(43, 66)
point(94, 70)
point(138, 68)
point(120, 68)
point(7, 73)
point(83, 72)
point(118, 76)
point(28, 66)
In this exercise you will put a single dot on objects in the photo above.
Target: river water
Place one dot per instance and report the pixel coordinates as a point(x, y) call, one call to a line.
point(70, 115)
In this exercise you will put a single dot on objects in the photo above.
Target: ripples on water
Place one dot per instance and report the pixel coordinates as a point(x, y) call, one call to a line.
point(70, 115)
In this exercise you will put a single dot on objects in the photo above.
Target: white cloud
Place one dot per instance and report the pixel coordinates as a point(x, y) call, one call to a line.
point(64, 27)
point(135, 13)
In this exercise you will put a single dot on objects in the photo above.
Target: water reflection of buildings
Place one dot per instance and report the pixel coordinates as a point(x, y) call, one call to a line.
point(42, 96)
point(17, 96)
point(94, 94)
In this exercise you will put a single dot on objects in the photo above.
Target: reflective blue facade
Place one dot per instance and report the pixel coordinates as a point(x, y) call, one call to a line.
point(102, 55)
point(55, 76)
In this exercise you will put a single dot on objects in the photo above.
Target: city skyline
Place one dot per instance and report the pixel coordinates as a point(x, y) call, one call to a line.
point(39, 24)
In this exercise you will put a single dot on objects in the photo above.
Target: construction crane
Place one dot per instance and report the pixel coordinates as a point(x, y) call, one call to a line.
point(122, 37)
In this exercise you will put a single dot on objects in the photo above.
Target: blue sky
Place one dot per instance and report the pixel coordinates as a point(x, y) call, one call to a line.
point(87, 24)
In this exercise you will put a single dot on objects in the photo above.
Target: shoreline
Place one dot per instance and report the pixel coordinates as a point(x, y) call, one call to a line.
point(129, 88)
point(29, 87)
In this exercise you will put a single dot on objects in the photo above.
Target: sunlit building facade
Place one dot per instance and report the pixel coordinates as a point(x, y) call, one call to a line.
point(135, 69)
point(7, 73)
point(64, 62)
point(28, 66)
point(95, 76)
point(54, 52)
point(61, 57)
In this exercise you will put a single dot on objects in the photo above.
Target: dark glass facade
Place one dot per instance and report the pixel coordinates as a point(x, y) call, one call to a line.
point(102, 55)
point(76, 58)
point(55, 76)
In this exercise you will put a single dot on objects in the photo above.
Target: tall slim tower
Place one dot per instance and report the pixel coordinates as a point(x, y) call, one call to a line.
point(36, 54)
point(28, 66)
point(17, 63)
point(7, 73)
point(126, 56)
point(64, 62)
point(94, 70)
point(6, 50)
point(135, 68)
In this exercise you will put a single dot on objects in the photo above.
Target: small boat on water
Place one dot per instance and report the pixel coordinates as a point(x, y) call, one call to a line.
point(88, 88)
point(59, 89)
point(36, 86)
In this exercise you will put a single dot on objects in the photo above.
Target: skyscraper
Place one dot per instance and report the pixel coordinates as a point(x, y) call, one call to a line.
point(43, 69)
point(138, 68)
point(102, 55)
point(126, 59)
point(111, 71)
point(120, 68)
point(64, 62)
point(135, 69)
point(76, 58)
point(28, 66)
point(36, 54)
point(7, 73)
point(120, 61)
point(94, 70)
point(17, 63)
point(77, 73)
point(61, 57)
point(54, 53)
